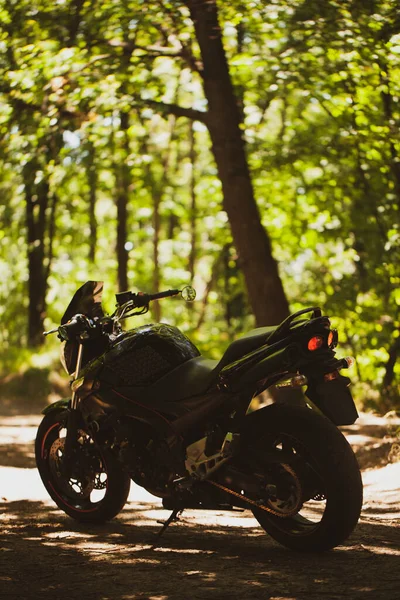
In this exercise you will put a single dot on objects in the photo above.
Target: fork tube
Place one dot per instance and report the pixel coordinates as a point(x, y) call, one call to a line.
point(74, 400)
point(73, 419)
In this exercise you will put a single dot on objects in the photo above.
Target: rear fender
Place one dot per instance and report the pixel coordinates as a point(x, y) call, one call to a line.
point(254, 423)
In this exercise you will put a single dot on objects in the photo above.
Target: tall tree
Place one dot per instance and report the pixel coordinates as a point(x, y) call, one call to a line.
point(40, 205)
point(223, 119)
point(92, 179)
point(123, 182)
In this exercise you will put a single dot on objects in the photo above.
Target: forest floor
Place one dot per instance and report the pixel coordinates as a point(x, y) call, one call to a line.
point(206, 555)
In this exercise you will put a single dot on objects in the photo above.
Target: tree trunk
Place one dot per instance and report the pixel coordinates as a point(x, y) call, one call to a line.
point(156, 187)
point(389, 394)
point(36, 199)
point(388, 103)
point(227, 291)
point(92, 183)
point(157, 196)
point(210, 284)
point(123, 182)
point(252, 243)
point(193, 205)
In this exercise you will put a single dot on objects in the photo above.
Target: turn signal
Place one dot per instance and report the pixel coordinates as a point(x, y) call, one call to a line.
point(315, 343)
point(332, 338)
point(350, 361)
point(296, 381)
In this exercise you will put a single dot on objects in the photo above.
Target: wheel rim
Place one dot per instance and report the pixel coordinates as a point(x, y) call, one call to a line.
point(84, 487)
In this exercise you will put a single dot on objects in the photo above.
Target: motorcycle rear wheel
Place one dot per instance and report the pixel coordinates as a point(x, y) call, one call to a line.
point(96, 489)
point(326, 468)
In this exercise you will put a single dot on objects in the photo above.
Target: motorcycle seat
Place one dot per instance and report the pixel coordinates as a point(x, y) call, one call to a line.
point(247, 343)
point(189, 379)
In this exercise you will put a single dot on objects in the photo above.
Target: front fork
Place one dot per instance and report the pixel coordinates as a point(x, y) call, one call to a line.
point(74, 418)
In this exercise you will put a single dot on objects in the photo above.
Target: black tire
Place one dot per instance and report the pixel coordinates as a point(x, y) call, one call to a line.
point(96, 472)
point(327, 470)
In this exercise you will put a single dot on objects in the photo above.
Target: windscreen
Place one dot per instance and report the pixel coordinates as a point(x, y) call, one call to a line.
point(86, 301)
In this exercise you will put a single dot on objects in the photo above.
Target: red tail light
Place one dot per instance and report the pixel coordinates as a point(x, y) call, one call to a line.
point(315, 342)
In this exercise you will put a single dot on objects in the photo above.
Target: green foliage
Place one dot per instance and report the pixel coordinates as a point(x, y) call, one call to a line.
point(318, 82)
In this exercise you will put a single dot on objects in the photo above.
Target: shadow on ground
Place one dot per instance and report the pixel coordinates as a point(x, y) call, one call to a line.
point(45, 554)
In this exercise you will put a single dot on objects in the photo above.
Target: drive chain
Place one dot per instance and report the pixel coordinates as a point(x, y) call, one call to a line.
point(268, 509)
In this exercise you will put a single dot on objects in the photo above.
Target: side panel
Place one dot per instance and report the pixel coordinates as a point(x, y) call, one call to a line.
point(247, 371)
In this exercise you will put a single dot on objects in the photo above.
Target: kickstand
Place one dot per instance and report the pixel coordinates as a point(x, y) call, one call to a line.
point(174, 516)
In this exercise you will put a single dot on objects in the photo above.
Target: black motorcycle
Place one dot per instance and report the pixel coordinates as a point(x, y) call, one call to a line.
point(147, 407)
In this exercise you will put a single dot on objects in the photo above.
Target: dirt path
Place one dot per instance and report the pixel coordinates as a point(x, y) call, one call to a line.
point(207, 555)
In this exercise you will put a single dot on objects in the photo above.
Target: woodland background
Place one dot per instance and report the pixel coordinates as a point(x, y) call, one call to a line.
point(250, 148)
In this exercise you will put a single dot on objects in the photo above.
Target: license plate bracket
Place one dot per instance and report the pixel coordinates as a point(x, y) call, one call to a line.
point(334, 399)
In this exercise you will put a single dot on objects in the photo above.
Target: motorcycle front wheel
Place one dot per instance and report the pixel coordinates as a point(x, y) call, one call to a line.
point(94, 487)
point(319, 480)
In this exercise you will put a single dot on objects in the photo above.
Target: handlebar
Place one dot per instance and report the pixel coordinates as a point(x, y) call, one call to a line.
point(83, 327)
point(165, 294)
point(141, 300)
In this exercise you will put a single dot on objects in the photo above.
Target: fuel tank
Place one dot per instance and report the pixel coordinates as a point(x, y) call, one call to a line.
point(142, 356)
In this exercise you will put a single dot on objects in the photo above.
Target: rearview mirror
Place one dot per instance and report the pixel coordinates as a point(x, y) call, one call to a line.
point(188, 293)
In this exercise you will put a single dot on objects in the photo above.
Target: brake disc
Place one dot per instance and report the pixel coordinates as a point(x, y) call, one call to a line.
point(77, 485)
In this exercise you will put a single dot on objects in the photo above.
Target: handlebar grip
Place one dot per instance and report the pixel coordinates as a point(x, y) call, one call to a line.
point(69, 331)
point(141, 299)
